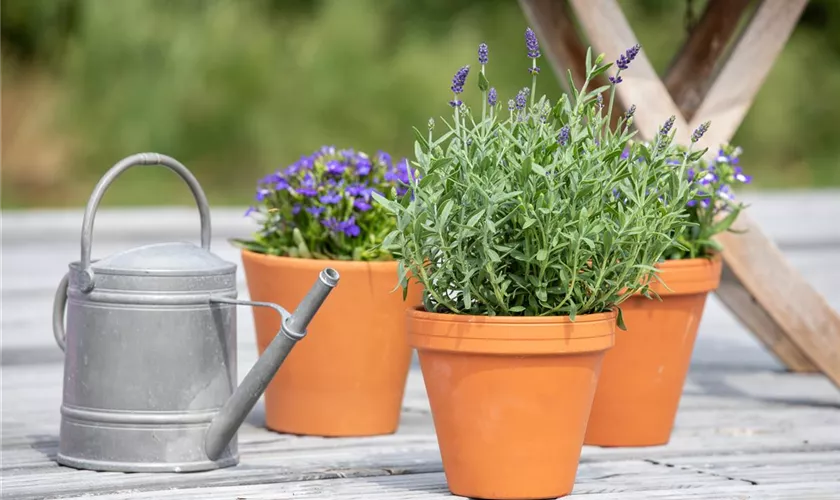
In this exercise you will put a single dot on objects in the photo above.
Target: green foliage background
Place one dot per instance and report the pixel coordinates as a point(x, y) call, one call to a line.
point(235, 89)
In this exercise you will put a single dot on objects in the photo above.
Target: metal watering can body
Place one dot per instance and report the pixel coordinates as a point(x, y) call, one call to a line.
point(150, 350)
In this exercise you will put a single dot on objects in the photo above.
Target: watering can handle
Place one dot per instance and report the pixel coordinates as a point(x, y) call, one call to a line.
point(86, 277)
point(59, 305)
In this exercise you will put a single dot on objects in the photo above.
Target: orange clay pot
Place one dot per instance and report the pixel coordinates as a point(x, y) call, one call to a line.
point(510, 397)
point(347, 376)
point(642, 377)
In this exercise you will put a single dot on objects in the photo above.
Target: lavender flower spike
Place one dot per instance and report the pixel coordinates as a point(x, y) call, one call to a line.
point(482, 54)
point(700, 131)
point(521, 98)
point(563, 137)
point(666, 127)
point(532, 44)
point(491, 96)
point(460, 79)
point(623, 62)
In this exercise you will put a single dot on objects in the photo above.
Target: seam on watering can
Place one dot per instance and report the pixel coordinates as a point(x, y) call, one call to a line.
point(130, 417)
point(128, 301)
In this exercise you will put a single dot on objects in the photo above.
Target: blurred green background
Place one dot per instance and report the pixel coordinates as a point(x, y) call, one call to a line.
point(236, 88)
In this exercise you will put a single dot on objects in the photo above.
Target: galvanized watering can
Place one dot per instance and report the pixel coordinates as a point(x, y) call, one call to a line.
point(150, 350)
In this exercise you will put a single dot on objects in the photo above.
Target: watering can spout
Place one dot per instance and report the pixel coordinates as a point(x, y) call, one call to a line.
point(293, 328)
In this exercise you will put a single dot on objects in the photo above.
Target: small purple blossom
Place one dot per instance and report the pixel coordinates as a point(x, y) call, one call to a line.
point(384, 158)
point(296, 209)
point(630, 112)
point(482, 53)
point(363, 166)
point(616, 79)
point(708, 178)
point(361, 205)
point(455, 103)
point(307, 186)
point(262, 194)
point(697, 134)
point(348, 227)
point(511, 104)
point(315, 211)
point(532, 44)
point(521, 98)
point(623, 62)
point(330, 198)
point(334, 167)
point(491, 96)
point(666, 127)
point(626, 153)
point(534, 70)
point(563, 136)
point(460, 79)
point(740, 176)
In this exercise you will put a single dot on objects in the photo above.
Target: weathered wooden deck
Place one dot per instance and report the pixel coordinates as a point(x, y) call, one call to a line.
point(746, 429)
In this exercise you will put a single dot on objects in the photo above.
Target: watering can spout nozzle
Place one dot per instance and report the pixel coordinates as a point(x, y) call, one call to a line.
point(292, 329)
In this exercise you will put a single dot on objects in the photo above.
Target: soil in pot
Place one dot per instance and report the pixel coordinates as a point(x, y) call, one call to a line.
point(347, 376)
point(510, 397)
point(643, 375)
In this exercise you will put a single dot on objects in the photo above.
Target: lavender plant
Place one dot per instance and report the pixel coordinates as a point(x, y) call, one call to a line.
point(320, 207)
point(535, 210)
point(713, 208)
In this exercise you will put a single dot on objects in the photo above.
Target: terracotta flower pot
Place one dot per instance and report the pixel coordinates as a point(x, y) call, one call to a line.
point(510, 397)
point(347, 376)
point(642, 377)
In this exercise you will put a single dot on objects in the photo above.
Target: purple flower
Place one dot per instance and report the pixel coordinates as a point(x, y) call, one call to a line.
point(666, 127)
point(625, 59)
point(262, 194)
point(625, 154)
point(532, 44)
point(511, 104)
point(315, 211)
point(725, 193)
point(708, 178)
point(460, 79)
point(534, 70)
point(563, 136)
point(690, 174)
point(673, 161)
point(296, 209)
point(482, 53)
point(384, 157)
point(521, 98)
point(347, 227)
point(330, 198)
point(616, 79)
point(491, 96)
point(361, 205)
point(600, 101)
point(697, 134)
point(355, 189)
point(630, 112)
point(335, 167)
point(363, 166)
point(740, 176)
point(307, 186)
point(250, 211)
point(455, 103)
point(281, 184)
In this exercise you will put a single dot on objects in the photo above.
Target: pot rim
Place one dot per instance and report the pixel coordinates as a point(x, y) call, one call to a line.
point(687, 276)
point(510, 335)
point(419, 313)
point(347, 265)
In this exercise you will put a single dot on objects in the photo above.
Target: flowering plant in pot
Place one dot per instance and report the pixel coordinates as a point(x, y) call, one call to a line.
point(347, 377)
point(643, 375)
point(527, 230)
